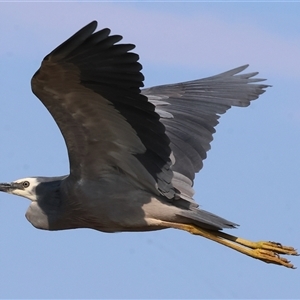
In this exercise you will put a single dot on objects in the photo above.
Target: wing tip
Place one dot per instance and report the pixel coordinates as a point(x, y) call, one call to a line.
point(74, 41)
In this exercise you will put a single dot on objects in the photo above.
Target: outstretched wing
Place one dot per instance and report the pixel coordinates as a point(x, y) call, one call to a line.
point(190, 111)
point(91, 87)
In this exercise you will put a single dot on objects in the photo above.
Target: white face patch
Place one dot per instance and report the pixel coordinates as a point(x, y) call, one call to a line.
point(27, 188)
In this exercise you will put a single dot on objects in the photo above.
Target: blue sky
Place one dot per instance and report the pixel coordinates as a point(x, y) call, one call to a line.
point(251, 176)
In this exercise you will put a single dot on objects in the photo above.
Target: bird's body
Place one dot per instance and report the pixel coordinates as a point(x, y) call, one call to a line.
point(62, 203)
point(133, 153)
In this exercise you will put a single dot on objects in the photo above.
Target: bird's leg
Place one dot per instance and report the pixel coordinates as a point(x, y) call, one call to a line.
point(266, 251)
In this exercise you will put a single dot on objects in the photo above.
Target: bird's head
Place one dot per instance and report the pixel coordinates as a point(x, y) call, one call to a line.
point(31, 187)
point(25, 187)
point(44, 194)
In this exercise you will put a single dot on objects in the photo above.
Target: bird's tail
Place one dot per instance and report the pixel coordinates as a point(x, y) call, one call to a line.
point(205, 219)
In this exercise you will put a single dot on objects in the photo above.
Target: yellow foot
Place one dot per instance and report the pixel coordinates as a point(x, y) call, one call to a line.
point(270, 257)
point(268, 252)
point(272, 246)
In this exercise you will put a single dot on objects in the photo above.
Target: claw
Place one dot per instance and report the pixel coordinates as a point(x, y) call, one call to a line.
point(271, 257)
point(277, 248)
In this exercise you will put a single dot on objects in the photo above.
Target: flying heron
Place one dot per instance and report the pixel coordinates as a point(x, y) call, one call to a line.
point(133, 152)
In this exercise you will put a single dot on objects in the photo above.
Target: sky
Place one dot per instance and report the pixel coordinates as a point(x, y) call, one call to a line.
point(251, 175)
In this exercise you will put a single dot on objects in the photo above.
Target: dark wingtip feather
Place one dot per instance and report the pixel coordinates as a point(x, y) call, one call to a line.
point(74, 41)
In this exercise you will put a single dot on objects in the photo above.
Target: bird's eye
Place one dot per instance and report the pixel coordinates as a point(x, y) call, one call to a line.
point(26, 184)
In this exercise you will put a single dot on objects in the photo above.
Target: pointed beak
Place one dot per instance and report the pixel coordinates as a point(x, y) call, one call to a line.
point(9, 187)
point(6, 187)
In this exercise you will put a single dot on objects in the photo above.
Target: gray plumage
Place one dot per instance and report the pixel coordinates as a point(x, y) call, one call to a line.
point(129, 149)
point(133, 153)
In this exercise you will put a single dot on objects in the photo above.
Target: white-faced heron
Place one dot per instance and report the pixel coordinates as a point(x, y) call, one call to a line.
point(133, 153)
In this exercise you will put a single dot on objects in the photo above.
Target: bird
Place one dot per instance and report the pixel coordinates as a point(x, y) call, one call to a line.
point(133, 151)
